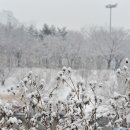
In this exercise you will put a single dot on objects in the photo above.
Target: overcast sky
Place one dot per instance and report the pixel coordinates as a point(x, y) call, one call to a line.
point(74, 14)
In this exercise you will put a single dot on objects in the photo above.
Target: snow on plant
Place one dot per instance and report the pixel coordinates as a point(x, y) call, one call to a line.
point(42, 112)
point(71, 113)
point(8, 121)
point(120, 102)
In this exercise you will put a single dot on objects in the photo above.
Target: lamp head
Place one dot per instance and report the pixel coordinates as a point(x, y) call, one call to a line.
point(111, 5)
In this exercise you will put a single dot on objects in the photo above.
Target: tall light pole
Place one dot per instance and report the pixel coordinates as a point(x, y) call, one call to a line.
point(111, 6)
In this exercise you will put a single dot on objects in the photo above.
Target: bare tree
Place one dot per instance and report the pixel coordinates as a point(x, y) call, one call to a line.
point(4, 74)
point(107, 44)
point(118, 59)
point(18, 55)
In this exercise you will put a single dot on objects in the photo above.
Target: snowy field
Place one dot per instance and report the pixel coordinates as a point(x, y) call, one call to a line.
point(49, 75)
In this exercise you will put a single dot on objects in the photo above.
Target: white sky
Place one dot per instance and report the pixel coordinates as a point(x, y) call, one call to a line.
point(74, 14)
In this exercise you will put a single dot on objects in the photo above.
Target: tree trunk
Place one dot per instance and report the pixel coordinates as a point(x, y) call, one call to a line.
point(3, 82)
point(109, 64)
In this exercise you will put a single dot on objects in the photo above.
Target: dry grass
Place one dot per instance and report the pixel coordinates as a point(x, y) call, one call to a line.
point(7, 98)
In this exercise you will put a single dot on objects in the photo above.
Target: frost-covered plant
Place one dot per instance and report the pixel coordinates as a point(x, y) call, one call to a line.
point(71, 113)
point(41, 111)
point(28, 94)
point(120, 102)
point(8, 120)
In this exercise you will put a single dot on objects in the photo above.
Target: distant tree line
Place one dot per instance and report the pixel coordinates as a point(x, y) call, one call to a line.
point(54, 47)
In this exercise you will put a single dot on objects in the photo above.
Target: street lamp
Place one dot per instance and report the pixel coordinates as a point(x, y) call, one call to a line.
point(110, 6)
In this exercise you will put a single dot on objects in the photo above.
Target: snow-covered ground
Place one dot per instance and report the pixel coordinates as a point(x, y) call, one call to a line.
point(49, 75)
